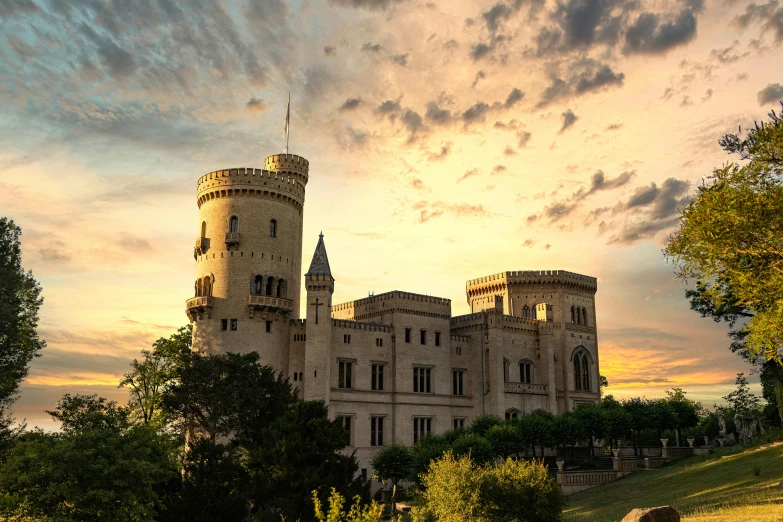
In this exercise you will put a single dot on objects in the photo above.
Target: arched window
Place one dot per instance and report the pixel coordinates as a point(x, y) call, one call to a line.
point(258, 285)
point(273, 228)
point(581, 371)
point(280, 288)
point(525, 372)
point(233, 225)
point(584, 316)
point(198, 288)
point(207, 286)
point(526, 312)
point(573, 316)
point(578, 315)
point(506, 365)
point(512, 413)
point(203, 229)
point(533, 314)
point(270, 281)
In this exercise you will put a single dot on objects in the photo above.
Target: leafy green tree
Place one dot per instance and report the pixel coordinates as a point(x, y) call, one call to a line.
point(99, 468)
point(427, 449)
point(772, 386)
point(506, 439)
point(228, 395)
point(357, 513)
point(566, 429)
point(742, 400)
point(539, 426)
point(20, 301)
point(618, 421)
point(392, 464)
point(603, 382)
point(158, 368)
point(641, 418)
point(729, 239)
point(479, 448)
point(687, 412)
point(592, 421)
point(662, 416)
point(483, 423)
point(459, 490)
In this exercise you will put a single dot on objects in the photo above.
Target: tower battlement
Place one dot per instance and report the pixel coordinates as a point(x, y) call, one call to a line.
point(551, 277)
point(291, 164)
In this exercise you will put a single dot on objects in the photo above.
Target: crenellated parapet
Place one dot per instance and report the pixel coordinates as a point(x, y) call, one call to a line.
point(290, 164)
point(553, 278)
point(395, 301)
point(252, 183)
point(356, 325)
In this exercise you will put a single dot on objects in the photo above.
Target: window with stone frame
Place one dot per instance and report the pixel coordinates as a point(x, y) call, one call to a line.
point(422, 426)
point(345, 374)
point(377, 376)
point(512, 413)
point(347, 421)
point(457, 423)
point(376, 431)
point(422, 379)
point(458, 385)
point(526, 372)
point(408, 335)
point(581, 371)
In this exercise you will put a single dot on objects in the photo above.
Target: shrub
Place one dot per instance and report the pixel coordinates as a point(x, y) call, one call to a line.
point(457, 490)
point(358, 513)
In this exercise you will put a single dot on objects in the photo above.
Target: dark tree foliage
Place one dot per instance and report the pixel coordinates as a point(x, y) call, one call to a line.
point(20, 300)
point(99, 468)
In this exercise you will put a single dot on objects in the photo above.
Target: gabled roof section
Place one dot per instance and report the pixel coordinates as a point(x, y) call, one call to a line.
point(320, 263)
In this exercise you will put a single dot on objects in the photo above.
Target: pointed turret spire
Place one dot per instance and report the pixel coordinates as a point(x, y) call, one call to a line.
point(320, 263)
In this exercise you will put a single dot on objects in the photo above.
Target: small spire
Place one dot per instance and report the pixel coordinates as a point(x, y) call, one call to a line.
point(320, 263)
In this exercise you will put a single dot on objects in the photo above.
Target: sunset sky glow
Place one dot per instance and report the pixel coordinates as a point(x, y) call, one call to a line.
point(447, 140)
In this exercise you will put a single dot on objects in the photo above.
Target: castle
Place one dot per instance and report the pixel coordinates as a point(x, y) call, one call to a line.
point(394, 366)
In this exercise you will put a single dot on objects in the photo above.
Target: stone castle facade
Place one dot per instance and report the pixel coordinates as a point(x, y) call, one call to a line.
point(393, 366)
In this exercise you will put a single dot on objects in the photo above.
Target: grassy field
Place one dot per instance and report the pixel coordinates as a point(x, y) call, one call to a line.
point(718, 487)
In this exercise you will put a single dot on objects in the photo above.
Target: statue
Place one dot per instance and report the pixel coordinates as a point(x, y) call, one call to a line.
point(721, 422)
point(739, 427)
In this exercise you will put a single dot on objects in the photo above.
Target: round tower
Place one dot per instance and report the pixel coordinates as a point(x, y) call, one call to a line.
point(248, 259)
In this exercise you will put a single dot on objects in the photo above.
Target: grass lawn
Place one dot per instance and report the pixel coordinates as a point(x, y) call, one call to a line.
point(718, 487)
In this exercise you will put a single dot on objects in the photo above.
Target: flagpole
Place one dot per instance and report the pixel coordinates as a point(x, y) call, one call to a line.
point(288, 122)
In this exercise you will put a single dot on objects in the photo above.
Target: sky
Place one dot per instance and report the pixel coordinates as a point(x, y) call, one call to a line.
point(447, 140)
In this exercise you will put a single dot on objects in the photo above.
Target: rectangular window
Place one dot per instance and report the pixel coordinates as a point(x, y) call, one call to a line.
point(377, 376)
point(344, 374)
point(364, 473)
point(437, 338)
point(301, 375)
point(347, 339)
point(458, 423)
point(269, 326)
point(424, 337)
point(421, 380)
point(224, 324)
point(376, 431)
point(458, 382)
point(407, 335)
point(422, 426)
point(233, 325)
point(346, 420)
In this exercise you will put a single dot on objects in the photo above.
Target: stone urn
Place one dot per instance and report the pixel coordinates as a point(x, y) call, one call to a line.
point(664, 442)
point(616, 452)
point(690, 442)
point(560, 464)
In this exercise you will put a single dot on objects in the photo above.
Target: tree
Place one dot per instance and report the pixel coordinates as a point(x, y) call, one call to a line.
point(618, 421)
point(772, 386)
point(639, 410)
point(687, 412)
point(729, 239)
point(425, 450)
point(483, 423)
point(742, 400)
point(99, 468)
point(392, 464)
point(159, 367)
point(358, 513)
point(20, 301)
point(566, 430)
point(506, 439)
point(603, 382)
point(592, 421)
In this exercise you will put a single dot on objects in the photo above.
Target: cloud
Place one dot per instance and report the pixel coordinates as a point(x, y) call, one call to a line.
point(476, 112)
point(370, 47)
point(559, 210)
point(770, 15)
point(509, 151)
point(479, 76)
point(614, 126)
point(770, 94)
point(499, 169)
point(650, 35)
point(513, 97)
point(373, 5)
point(399, 59)
point(429, 211)
point(436, 115)
point(12, 7)
point(584, 76)
point(707, 95)
point(502, 11)
point(445, 150)
point(350, 138)
point(529, 242)
point(468, 174)
point(54, 255)
point(569, 118)
point(389, 107)
point(659, 207)
point(728, 54)
point(330, 50)
point(350, 104)
point(256, 105)
point(412, 121)
point(524, 138)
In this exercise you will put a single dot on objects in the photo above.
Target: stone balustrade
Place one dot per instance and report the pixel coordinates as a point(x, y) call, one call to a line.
point(264, 302)
point(232, 238)
point(523, 387)
point(654, 462)
point(196, 306)
point(676, 453)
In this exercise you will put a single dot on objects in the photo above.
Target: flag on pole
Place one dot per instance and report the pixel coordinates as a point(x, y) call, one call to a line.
point(287, 117)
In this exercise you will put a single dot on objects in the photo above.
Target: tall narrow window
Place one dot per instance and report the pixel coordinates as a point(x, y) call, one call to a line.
point(258, 285)
point(458, 382)
point(572, 315)
point(581, 371)
point(424, 337)
point(585, 373)
point(506, 365)
point(525, 371)
point(437, 338)
point(422, 426)
point(458, 423)
point(344, 374)
point(233, 225)
point(578, 315)
point(199, 288)
point(526, 312)
point(203, 229)
point(584, 316)
point(577, 372)
point(270, 282)
point(207, 290)
point(421, 380)
point(407, 335)
point(273, 228)
point(376, 431)
point(377, 376)
point(346, 421)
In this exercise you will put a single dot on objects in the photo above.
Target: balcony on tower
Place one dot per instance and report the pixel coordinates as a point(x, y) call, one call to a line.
point(202, 245)
point(269, 303)
point(196, 307)
point(232, 239)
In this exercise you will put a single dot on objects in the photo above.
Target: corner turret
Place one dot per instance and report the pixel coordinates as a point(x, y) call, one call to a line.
point(320, 286)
